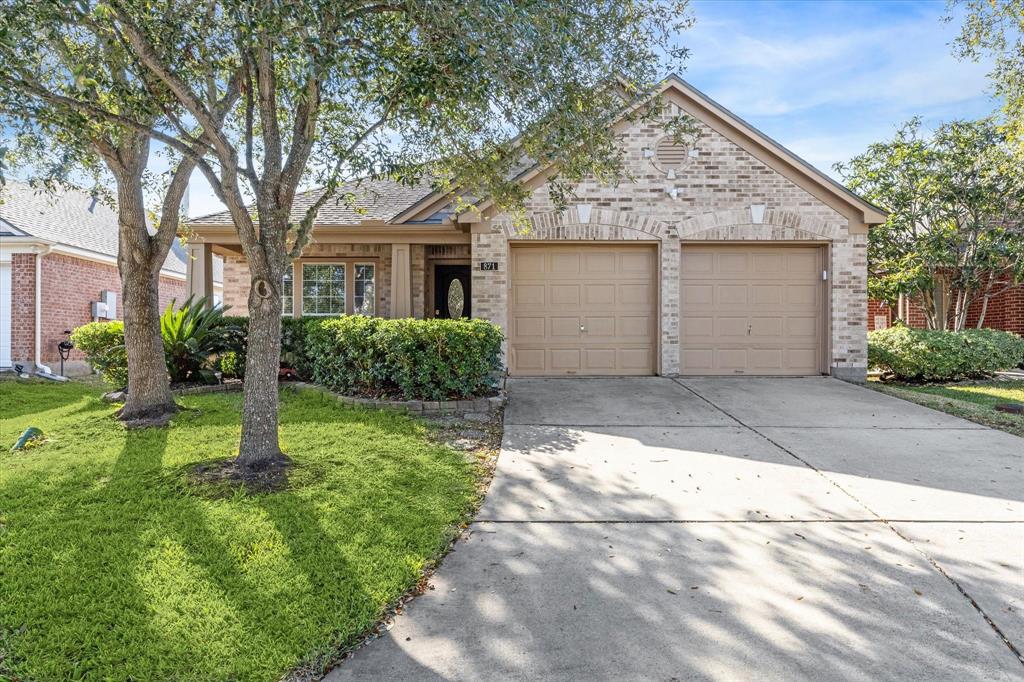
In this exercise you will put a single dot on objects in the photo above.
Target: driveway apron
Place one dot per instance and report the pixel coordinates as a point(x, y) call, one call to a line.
point(723, 529)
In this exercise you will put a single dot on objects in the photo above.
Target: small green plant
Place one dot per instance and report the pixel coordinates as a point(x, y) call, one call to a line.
point(414, 359)
point(910, 354)
point(192, 334)
point(103, 346)
point(231, 364)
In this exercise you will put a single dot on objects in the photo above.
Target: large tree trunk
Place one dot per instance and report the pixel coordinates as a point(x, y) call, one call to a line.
point(149, 393)
point(259, 447)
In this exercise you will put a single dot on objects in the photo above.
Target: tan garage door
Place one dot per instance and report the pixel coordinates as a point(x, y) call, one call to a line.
point(579, 309)
point(751, 309)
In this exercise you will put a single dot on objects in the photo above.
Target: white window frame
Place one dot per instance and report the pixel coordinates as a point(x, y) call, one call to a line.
point(289, 292)
point(345, 288)
point(373, 281)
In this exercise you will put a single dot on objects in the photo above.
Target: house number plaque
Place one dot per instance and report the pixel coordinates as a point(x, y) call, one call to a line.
point(488, 265)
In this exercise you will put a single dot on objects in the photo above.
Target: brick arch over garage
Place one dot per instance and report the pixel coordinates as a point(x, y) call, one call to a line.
point(578, 223)
point(490, 291)
point(776, 225)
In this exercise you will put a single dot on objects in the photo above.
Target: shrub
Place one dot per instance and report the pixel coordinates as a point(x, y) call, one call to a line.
point(192, 334)
point(922, 355)
point(102, 343)
point(293, 333)
point(413, 359)
point(231, 364)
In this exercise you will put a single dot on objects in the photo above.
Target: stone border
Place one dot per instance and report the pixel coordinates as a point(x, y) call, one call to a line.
point(479, 409)
point(212, 388)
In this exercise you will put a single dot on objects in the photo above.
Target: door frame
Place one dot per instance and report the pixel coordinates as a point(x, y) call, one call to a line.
point(824, 249)
point(430, 285)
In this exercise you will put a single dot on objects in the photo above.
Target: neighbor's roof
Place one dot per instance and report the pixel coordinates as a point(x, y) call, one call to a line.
point(354, 203)
point(71, 218)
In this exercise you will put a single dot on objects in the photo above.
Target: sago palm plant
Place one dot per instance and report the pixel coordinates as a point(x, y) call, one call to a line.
point(192, 334)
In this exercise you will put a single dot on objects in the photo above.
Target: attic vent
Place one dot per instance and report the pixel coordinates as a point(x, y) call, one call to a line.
point(672, 154)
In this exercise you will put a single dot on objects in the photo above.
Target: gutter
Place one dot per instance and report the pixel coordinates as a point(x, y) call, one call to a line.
point(41, 370)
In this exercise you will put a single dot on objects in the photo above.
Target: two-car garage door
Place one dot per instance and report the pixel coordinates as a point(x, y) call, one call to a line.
point(593, 309)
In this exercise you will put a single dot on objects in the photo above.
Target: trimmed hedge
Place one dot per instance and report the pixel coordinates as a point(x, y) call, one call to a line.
point(293, 339)
point(922, 355)
point(407, 358)
point(102, 343)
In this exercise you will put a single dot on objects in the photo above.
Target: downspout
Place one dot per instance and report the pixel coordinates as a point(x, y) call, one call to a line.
point(41, 369)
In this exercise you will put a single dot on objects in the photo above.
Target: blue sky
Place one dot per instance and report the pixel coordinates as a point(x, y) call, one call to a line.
point(828, 78)
point(823, 78)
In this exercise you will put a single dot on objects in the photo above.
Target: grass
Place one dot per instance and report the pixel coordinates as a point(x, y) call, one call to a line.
point(975, 401)
point(112, 566)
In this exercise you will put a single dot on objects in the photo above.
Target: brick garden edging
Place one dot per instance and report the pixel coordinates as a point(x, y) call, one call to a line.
point(477, 408)
point(212, 388)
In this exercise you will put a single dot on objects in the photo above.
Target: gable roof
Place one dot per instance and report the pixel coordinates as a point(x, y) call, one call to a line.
point(374, 200)
point(71, 218)
point(772, 152)
point(387, 201)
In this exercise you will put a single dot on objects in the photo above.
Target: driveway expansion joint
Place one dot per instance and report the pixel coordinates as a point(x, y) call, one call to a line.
point(887, 522)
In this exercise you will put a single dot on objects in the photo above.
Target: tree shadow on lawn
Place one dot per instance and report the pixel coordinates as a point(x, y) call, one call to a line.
point(18, 403)
point(137, 575)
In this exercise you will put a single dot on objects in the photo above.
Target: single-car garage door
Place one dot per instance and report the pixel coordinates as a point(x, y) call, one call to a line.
point(751, 309)
point(582, 309)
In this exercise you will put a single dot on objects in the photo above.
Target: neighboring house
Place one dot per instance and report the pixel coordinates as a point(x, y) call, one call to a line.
point(1005, 311)
point(58, 256)
point(730, 256)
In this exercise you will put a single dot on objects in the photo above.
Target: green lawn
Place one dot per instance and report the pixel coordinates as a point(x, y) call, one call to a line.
point(113, 567)
point(975, 402)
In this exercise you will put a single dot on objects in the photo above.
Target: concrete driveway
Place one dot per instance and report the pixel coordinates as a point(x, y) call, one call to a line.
point(725, 529)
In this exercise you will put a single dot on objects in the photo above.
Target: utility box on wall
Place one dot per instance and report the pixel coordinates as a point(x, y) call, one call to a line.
point(106, 307)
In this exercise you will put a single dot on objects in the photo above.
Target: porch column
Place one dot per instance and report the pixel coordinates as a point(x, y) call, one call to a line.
point(199, 271)
point(401, 280)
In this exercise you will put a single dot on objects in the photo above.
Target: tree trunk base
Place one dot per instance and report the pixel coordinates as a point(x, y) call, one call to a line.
point(150, 415)
point(270, 475)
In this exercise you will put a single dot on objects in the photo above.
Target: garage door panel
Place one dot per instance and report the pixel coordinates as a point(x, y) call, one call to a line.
point(750, 309)
point(565, 327)
point(698, 294)
point(635, 294)
point(583, 309)
point(600, 326)
point(599, 295)
point(529, 327)
point(732, 294)
point(527, 294)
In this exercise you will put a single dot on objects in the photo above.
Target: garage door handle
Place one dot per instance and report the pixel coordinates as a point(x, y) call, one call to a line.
point(582, 328)
point(748, 329)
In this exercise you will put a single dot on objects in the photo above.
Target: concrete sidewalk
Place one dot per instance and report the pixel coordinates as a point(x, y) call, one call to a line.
point(726, 529)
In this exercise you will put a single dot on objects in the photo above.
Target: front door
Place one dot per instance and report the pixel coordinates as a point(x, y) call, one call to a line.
point(451, 291)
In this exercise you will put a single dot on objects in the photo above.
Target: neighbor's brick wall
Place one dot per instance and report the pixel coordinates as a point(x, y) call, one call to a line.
point(1005, 311)
point(715, 192)
point(69, 287)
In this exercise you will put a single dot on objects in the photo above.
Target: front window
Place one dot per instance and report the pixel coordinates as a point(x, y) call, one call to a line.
point(363, 300)
point(323, 289)
point(288, 292)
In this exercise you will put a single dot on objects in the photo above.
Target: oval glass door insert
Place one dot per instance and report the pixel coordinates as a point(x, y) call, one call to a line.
point(456, 299)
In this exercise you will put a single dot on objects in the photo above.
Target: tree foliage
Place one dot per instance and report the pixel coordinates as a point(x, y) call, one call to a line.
point(996, 28)
point(956, 211)
point(462, 94)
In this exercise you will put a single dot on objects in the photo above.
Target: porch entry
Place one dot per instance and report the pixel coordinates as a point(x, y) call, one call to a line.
point(452, 294)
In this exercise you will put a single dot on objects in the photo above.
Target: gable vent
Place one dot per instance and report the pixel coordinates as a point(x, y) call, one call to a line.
point(672, 154)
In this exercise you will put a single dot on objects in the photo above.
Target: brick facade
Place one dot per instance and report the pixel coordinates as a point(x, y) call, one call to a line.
point(69, 286)
point(717, 195)
point(1005, 311)
point(714, 195)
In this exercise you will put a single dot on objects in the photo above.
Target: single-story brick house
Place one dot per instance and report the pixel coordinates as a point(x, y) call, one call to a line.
point(728, 256)
point(1005, 311)
point(58, 257)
